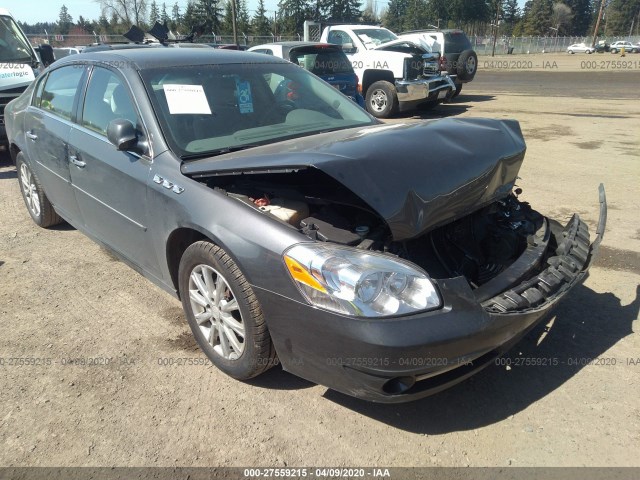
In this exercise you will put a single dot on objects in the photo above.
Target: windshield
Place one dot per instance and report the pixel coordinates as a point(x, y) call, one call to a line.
point(14, 47)
point(375, 36)
point(321, 60)
point(209, 109)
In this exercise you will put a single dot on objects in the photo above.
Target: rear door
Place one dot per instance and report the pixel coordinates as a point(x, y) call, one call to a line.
point(48, 123)
point(111, 185)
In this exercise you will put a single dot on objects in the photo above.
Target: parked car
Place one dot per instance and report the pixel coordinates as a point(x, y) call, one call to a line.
point(602, 47)
point(458, 57)
point(325, 60)
point(61, 52)
point(628, 47)
point(386, 261)
point(580, 48)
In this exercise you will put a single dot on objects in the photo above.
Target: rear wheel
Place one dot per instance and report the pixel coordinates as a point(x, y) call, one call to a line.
point(38, 205)
point(223, 312)
point(382, 99)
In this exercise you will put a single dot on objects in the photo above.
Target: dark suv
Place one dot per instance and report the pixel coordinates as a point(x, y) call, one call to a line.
point(458, 57)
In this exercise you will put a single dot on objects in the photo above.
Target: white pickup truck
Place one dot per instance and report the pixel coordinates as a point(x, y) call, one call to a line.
point(395, 74)
point(19, 63)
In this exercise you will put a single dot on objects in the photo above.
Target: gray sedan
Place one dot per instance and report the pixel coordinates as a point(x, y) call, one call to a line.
point(387, 262)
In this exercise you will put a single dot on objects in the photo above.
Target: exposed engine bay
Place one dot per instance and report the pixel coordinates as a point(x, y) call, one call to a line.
point(478, 246)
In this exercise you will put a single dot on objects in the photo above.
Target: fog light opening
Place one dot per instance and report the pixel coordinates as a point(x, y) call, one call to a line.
point(398, 385)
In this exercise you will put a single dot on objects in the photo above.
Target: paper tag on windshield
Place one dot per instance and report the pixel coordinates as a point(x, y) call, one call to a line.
point(186, 99)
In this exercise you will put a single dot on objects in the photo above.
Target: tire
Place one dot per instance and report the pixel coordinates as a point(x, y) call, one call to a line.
point(467, 65)
point(614, 50)
point(458, 90)
point(244, 349)
point(634, 50)
point(571, 52)
point(38, 205)
point(589, 52)
point(382, 99)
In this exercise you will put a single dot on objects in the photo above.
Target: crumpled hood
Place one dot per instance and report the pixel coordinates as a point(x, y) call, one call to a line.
point(414, 175)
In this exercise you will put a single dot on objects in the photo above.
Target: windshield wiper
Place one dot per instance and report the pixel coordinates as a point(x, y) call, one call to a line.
point(219, 151)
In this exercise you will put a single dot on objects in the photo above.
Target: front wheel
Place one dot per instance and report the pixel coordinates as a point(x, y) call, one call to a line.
point(458, 90)
point(614, 50)
point(382, 99)
point(223, 312)
point(38, 205)
point(571, 52)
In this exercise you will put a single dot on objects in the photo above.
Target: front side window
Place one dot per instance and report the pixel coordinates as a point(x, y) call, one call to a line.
point(204, 110)
point(339, 37)
point(107, 99)
point(60, 90)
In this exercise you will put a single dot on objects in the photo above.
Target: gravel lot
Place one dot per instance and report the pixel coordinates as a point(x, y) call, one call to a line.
point(62, 297)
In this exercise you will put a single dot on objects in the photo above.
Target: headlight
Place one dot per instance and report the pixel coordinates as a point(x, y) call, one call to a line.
point(359, 283)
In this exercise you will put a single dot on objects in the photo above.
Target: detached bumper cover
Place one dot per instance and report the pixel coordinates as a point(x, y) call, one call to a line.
point(406, 358)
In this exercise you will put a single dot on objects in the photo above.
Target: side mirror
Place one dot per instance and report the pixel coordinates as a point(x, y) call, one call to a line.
point(349, 48)
point(123, 135)
point(46, 54)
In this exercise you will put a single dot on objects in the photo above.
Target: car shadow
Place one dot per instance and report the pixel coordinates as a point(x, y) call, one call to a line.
point(584, 327)
point(277, 379)
point(457, 106)
point(8, 175)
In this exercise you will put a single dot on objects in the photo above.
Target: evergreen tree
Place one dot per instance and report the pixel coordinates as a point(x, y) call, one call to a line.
point(347, 11)
point(207, 13)
point(538, 19)
point(164, 15)
point(620, 14)
point(260, 24)
point(154, 15)
point(394, 17)
point(65, 21)
point(292, 14)
point(243, 20)
point(176, 18)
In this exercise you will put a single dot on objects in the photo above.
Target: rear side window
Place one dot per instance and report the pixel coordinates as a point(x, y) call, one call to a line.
point(456, 42)
point(321, 61)
point(266, 51)
point(60, 90)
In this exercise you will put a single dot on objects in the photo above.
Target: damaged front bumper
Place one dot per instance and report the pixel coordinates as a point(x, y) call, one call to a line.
point(405, 358)
point(436, 87)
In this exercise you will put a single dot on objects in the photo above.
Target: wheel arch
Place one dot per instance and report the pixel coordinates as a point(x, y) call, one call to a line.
point(371, 76)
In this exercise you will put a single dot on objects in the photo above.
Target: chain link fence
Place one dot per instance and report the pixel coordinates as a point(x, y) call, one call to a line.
point(70, 41)
point(483, 45)
point(520, 45)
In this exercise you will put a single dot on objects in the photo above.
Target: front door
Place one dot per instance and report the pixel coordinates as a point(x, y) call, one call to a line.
point(110, 185)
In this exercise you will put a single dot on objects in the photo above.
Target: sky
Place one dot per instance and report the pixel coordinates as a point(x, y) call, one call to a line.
point(33, 11)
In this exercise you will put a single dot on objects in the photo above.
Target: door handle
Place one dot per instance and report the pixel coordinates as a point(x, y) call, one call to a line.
point(31, 136)
point(77, 162)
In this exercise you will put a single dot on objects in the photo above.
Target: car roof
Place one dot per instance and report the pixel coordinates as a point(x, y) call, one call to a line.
point(296, 43)
point(146, 58)
point(434, 30)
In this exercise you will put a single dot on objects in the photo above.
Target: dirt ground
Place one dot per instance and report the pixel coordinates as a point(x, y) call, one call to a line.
point(100, 393)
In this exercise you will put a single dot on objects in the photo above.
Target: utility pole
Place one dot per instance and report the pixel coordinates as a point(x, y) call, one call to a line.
point(595, 32)
point(495, 34)
point(233, 21)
